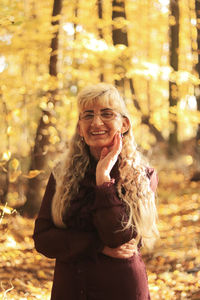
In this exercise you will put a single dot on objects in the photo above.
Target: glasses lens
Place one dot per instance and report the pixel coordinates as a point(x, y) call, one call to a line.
point(87, 116)
point(107, 116)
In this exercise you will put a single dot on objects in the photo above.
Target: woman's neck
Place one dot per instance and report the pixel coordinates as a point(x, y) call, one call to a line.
point(95, 153)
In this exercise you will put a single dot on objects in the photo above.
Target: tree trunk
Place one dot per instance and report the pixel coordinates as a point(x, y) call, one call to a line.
point(100, 16)
point(173, 89)
point(5, 188)
point(119, 36)
point(197, 6)
point(196, 175)
point(40, 151)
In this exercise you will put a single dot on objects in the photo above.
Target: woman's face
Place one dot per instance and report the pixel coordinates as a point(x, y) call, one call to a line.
point(98, 125)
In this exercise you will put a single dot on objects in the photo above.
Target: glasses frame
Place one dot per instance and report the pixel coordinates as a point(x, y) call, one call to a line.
point(115, 114)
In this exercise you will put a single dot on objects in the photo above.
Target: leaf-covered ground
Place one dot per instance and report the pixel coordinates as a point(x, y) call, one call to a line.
point(173, 267)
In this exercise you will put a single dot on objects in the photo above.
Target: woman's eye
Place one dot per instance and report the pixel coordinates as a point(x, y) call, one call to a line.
point(107, 115)
point(88, 116)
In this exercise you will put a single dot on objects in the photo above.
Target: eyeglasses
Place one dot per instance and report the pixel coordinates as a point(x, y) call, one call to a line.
point(105, 116)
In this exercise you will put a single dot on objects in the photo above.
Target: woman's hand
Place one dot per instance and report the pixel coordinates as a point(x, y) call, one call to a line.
point(126, 250)
point(108, 158)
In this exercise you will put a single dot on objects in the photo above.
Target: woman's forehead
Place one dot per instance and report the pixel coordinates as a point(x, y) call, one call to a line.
point(96, 108)
point(95, 104)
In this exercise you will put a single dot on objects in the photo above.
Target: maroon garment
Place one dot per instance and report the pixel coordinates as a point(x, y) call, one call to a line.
point(82, 272)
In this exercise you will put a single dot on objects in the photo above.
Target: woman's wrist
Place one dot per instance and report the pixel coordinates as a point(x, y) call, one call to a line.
point(102, 179)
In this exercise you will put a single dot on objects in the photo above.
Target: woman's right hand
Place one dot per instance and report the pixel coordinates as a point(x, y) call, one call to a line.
point(126, 250)
point(108, 158)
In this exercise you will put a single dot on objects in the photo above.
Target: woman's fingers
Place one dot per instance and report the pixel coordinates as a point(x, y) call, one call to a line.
point(108, 158)
point(104, 152)
point(126, 250)
point(117, 252)
point(117, 144)
point(127, 247)
point(111, 153)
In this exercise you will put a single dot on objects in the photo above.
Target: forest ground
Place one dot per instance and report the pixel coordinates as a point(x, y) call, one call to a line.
point(173, 266)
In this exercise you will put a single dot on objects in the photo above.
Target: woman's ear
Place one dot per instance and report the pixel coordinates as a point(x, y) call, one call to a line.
point(125, 125)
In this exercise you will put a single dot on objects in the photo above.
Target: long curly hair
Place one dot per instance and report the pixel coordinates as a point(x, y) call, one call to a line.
point(138, 196)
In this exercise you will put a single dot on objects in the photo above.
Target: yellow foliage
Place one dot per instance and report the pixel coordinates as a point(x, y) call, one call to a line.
point(14, 163)
point(41, 274)
point(6, 155)
point(5, 209)
point(14, 175)
point(33, 173)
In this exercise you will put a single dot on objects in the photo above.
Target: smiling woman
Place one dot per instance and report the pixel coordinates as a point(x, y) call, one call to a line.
point(98, 125)
point(98, 208)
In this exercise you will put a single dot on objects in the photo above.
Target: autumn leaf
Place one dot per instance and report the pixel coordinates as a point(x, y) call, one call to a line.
point(6, 155)
point(33, 173)
point(14, 175)
point(14, 163)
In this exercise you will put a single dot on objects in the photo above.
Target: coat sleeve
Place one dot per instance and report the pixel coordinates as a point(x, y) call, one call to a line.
point(108, 214)
point(62, 244)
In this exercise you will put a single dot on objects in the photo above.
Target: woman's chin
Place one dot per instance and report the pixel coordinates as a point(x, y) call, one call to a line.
point(101, 144)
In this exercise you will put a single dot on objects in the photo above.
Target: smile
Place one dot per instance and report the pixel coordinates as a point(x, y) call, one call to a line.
point(98, 132)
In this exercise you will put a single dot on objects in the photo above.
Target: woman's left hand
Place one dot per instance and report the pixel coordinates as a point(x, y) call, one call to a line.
point(126, 250)
point(108, 158)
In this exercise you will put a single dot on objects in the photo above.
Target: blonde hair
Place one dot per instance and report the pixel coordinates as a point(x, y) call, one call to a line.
point(138, 196)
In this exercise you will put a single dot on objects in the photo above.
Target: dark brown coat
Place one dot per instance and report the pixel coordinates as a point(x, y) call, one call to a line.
point(82, 271)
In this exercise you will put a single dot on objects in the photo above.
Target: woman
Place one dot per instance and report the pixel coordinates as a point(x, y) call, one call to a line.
point(99, 208)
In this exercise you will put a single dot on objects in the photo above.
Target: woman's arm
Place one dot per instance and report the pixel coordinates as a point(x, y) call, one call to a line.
point(63, 244)
point(109, 211)
point(104, 218)
point(108, 214)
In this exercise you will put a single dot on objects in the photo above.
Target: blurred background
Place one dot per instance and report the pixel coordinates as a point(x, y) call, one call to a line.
point(50, 50)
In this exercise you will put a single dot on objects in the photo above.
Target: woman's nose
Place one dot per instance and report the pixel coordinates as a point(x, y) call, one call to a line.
point(97, 120)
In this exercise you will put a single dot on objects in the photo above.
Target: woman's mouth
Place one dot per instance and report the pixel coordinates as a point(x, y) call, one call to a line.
point(98, 132)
